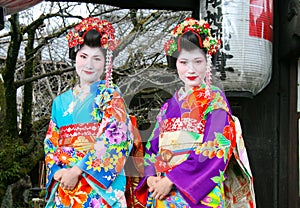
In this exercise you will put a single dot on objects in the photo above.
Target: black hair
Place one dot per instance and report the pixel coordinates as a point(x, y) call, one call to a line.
point(188, 41)
point(92, 39)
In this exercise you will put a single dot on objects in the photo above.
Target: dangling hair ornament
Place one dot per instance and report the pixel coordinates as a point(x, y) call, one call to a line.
point(202, 29)
point(108, 69)
point(208, 75)
point(108, 41)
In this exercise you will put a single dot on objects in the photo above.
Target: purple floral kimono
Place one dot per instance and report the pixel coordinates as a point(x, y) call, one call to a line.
point(191, 144)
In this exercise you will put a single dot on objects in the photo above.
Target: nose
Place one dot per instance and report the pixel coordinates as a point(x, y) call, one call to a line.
point(89, 63)
point(190, 67)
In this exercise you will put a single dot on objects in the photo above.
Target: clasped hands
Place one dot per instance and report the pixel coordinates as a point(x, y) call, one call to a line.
point(68, 177)
point(159, 186)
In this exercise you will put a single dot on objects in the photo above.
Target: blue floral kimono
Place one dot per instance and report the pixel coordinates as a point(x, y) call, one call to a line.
point(91, 129)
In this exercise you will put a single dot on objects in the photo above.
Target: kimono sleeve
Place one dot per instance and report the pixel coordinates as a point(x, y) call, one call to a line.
point(203, 171)
point(50, 147)
point(114, 141)
point(151, 150)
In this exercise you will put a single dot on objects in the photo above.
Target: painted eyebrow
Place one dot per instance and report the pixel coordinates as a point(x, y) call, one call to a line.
point(82, 53)
point(86, 54)
point(193, 58)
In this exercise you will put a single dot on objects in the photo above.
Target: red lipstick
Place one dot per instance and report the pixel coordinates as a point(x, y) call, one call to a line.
point(191, 78)
point(88, 72)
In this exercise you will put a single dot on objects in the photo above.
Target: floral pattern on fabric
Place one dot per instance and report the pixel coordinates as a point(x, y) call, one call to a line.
point(220, 147)
point(198, 154)
point(76, 197)
point(94, 135)
point(216, 198)
point(173, 200)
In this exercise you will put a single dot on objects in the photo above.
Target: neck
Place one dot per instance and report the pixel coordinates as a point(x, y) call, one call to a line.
point(83, 84)
point(186, 88)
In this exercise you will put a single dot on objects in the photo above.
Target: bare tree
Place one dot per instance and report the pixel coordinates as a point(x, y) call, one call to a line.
point(37, 68)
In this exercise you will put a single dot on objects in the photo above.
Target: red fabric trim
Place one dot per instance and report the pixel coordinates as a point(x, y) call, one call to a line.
point(142, 193)
point(188, 124)
point(188, 196)
point(96, 182)
point(82, 129)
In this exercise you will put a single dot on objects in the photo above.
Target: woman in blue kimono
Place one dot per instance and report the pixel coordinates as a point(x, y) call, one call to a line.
point(90, 134)
point(194, 137)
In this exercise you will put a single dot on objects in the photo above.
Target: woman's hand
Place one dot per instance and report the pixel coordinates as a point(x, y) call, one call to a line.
point(151, 180)
point(70, 177)
point(161, 188)
point(57, 176)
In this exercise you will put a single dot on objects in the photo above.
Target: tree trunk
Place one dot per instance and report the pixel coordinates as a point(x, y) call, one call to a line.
point(10, 129)
point(2, 104)
point(8, 76)
point(28, 89)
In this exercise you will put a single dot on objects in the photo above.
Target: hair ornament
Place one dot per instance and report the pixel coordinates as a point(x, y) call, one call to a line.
point(108, 69)
point(105, 28)
point(208, 75)
point(108, 41)
point(199, 27)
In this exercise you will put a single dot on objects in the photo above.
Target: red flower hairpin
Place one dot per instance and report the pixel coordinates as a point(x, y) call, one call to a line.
point(105, 28)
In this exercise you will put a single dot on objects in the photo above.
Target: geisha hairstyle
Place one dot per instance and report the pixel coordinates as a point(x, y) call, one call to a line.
point(91, 39)
point(191, 34)
point(188, 41)
point(94, 32)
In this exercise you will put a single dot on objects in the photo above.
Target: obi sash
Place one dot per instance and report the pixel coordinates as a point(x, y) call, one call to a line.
point(81, 136)
point(179, 136)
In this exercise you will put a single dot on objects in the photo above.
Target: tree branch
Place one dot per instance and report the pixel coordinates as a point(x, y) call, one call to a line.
point(52, 73)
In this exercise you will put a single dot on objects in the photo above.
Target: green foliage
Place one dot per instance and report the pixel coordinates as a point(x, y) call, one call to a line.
point(43, 193)
point(10, 154)
point(2, 100)
point(17, 159)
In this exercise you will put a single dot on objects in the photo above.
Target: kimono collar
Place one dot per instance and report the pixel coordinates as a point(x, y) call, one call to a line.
point(89, 88)
point(181, 93)
point(95, 85)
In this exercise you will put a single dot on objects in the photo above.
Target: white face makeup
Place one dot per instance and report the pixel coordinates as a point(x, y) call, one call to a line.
point(191, 67)
point(89, 64)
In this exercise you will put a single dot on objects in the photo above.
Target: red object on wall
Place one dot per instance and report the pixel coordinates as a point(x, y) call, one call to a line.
point(261, 19)
point(13, 6)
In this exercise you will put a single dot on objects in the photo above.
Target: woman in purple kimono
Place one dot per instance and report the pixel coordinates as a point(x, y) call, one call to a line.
point(90, 134)
point(194, 137)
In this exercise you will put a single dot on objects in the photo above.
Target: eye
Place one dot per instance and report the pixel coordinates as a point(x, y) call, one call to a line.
point(183, 62)
point(98, 59)
point(83, 56)
point(199, 61)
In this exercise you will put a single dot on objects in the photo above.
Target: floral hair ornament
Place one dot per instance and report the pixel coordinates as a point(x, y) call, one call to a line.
point(210, 44)
point(107, 41)
point(198, 27)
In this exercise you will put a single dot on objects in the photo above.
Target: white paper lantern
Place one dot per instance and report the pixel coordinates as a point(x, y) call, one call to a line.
point(244, 66)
